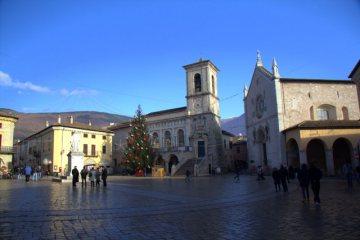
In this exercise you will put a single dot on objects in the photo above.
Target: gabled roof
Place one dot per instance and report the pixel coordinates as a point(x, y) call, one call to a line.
point(119, 126)
point(167, 111)
point(309, 80)
point(357, 66)
point(326, 124)
point(265, 71)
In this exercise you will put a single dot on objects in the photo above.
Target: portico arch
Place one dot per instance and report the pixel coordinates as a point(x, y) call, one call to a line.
point(315, 153)
point(292, 153)
point(342, 150)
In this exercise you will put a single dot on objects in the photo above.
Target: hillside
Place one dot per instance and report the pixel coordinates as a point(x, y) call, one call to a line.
point(30, 123)
point(235, 125)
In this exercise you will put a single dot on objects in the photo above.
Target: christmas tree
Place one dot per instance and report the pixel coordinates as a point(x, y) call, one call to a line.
point(138, 152)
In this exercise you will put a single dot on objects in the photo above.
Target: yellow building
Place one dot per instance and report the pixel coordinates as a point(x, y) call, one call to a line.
point(7, 126)
point(61, 146)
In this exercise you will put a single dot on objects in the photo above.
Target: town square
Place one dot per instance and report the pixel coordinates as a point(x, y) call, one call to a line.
point(179, 120)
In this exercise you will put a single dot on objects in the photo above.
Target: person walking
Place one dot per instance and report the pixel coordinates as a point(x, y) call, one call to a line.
point(303, 177)
point(92, 174)
point(276, 177)
point(260, 173)
point(283, 177)
point(348, 172)
point(83, 174)
point(75, 173)
point(97, 176)
point(104, 175)
point(291, 173)
point(187, 178)
point(315, 175)
point(28, 171)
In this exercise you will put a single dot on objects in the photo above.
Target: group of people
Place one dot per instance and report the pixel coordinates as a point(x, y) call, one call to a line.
point(95, 176)
point(306, 177)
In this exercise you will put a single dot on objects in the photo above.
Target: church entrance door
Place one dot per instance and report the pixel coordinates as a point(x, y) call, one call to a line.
point(341, 154)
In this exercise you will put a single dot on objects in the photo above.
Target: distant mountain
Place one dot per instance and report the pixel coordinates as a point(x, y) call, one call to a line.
point(235, 125)
point(30, 123)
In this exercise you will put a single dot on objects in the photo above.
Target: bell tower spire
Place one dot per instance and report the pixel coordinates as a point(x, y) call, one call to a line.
point(275, 69)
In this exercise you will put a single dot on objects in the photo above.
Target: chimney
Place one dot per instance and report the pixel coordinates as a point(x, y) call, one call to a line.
point(89, 123)
point(71, 119)
point(47, 124)
point(59, 119)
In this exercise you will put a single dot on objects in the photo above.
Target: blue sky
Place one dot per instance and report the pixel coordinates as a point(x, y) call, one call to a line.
point(113, 55)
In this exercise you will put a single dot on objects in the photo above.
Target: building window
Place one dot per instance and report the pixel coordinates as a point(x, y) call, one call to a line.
point(326, 112)
point(0, 125)
point(104, 137)
point(230, 144)
point(155, 140)
point(181, 138)
point(93, 136)
point(104, 149)
point(201, 149)
point(93, 150)
point(0, 140)
point(312, 113)
point(197, 82)
point(345, 113)
point(322, 114)
point(85, 149)
point(167, 139)
point(85, 135)
point(213, 84)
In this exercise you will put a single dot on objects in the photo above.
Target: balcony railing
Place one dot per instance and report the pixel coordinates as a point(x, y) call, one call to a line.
point(4, 149)
point(175, 149)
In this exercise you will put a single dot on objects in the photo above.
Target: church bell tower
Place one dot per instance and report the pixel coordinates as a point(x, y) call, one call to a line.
point(202, 92)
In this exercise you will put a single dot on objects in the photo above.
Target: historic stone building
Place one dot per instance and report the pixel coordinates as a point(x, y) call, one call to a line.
point(187, 137)
point(7, 126)
point(291, 121)
point(62, 145)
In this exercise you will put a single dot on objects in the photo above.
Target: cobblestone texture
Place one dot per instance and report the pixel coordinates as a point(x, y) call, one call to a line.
point(206, 208)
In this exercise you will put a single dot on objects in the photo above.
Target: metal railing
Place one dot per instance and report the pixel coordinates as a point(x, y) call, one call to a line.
point(4, 149)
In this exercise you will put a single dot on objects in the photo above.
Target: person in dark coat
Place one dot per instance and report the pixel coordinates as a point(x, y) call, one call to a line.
point(83, 174)
point(276, 177)
point(303, 177)
point(283, 177)
point(187, 176)
point(315, 175)
point(104, 175)
point(97, 177)
point(75, 174)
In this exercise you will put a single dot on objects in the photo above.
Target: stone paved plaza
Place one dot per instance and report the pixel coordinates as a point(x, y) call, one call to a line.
point(205, 208)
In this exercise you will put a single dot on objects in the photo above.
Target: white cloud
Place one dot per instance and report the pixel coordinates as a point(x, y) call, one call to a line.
point(78, 92)
point(7, 81)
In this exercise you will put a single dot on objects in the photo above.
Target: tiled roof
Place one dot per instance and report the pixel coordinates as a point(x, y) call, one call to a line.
point(73, 125)
point(119, 126)
point(227, 133)
point(167, 111)
point(357, 66)
point(8, 115)
point(199, 63)
point(305, 80)
point(326, 124)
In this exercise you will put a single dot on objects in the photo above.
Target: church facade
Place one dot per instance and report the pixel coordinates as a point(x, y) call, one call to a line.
point(292, 121)
point(189, 137)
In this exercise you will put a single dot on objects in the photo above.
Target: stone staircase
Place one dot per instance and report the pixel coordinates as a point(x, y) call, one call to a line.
point(188, 165)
